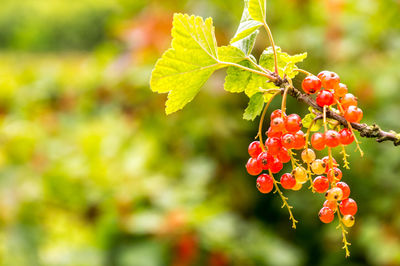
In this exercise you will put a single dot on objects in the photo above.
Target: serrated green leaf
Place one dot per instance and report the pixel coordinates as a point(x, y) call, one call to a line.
point(256, 83)
point(230, 54)
point(257, 10)
point(255, 107)
point(236, 79)
point(307, 120)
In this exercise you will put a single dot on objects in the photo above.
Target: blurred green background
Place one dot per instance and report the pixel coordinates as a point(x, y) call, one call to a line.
point(92, 172)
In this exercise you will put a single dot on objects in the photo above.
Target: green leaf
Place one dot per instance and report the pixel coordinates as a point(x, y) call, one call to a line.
point(236, 79)
point(307, 120)
point(257, 10)
point(255, 106)
point(194, 56)
point(247, 44)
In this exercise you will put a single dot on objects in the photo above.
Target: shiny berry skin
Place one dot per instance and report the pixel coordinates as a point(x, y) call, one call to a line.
point(271, 133)
point(340, 90)
point(321, 184)
point(277, 113)
point(265, 183)
point(254, 149)
point(277, 124)
point(318, 167)
point(283, 155)
point(308, 156)
point(345, 189)
point(297, 187)
point(326, 215)
point(329, 79)
point(253, 166)
point(273, 145)
point(325, 97)
point(318, 141)
point(331, 204)
point(300, 174)
point(329, 164)
point(299, 140)
point(293, 123)
point(346, 136)
point(334, 194)
point(347, 100)
point(264, 159)
point(348, 220)
point(348, 207)
point(311, 84)
point(288, 181)
point(276, 166)
point(353, 114)
point(287, 141)
point(332, 138)
point(334, 174)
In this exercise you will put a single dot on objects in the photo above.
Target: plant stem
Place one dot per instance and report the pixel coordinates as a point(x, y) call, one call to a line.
point(303, 71)
point(272, 78)
point(259, 134)
point(344, 232)
point(271, 40)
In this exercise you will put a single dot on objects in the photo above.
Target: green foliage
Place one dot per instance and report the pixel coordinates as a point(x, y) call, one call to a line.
point(255, 106)
point(247, 27)
point(257, 10)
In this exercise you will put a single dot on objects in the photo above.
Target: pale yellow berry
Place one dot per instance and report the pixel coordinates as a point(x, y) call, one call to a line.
point(297, 186)
point(300, 174)
point(308, 155)
point(348, 220)
point(318, 167)
point(334, 193)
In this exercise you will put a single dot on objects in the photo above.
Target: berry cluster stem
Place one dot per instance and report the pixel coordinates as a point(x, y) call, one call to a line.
point(346, 244)
point(271, 40)
point(259, 134)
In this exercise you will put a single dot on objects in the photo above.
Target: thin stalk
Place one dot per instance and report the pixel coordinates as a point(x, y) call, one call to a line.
point(271, 40)
point(344, 233)
point(272, 78)
point(259, 134)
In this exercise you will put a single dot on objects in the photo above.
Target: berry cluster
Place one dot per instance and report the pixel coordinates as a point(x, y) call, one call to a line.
point(285, 135)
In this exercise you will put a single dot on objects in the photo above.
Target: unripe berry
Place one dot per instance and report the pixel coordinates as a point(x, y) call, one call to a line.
point(348, 206)
point(297, 187)
point(288, 181)
point(334, 174)
point(253, 166)
point(311, 84)
point(345, 189)
point(340, 90)
point(353, 114)
point(329, 79)
point(300, 174)
point(308, 156)
point(318, 141)
point(299, 140)
point(331, 204)
point(332, 138)
point(264, 159)
point(348, 220)
point(293, 123)
point(265, 183)
point(273, 145)
point(318, 167)
point(321, 184)
point(254, 149)
point(334, 193)
point(326, 215)
point(283, 155)
point(287, 141)
point(347, 100)
point(277, 124)
point(325, 97)
point(346, 136)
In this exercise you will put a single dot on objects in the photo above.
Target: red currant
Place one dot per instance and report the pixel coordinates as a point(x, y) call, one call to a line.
point(328, 163)
point(277, 124)
point(348, 207)
point(277, 113)
point(321, 184)
point(318, 141)
point(334, 193)
point(334, 174)
point(329, 79)
point(347, 100)
point(331, 204)
point(311, 84)
point(265, 183)
point(353, 114)
point(326, 215)
point(299, 140)
point(271, 133)
point(283, 155)
point(340, 90)
point(293, 123)
point(287, 141)
point(345, 188)
point(264, 159)
point(332, 138)
point(325, 97)
point(276, 166)
point(254, 149)
point(253, 166)
point(273, 145)
point(288, 181)
point(346, 136)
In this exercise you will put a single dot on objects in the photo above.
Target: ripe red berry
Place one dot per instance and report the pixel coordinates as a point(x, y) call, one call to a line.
point(347, 100)
point(332, 138)
point(346, 136)
point(271, 133)
point(318, 141)
point(254, 149)
point(340, 90)
point(345, 188)
point(277, 124)
point(264, 159)
point(326, 215)
point(253, 166)
point(348, 206)
point(265, 183)
point(288, 181)
point(331, 204)
point(328, 163)
point(293, 123)
point(277, 113)
point(273, 145)
point(321, 184)
point(329, 79)
point(353, 114)
point(283, 155)
point(334, 174)
point(299, 140)
point(311, 84)
point(287, 141)
point(325, 97)
point(276, 166)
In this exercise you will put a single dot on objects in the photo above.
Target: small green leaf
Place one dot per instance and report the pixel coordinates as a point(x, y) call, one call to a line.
point(255, 107)
point(257, 10)
point(307, 120)
point(230, 54)
point(236, 79)
point(246, 44)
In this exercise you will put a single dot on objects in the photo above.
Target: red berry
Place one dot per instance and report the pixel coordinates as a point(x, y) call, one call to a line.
point(331, 204)
point(311, 84)
point(348, 206)
point(276, 166)
point(287, 141)
point(326, 215)
point(277, 113)
point(340, 90)
point(264, 159)
point(318, 141)
point(254, 149)
point(353, 114)
point(271, 133)
point(299, 140)
point(327, 163)
point(332, 138)
point(288, 181)
point(321, 184)
point(277, 124)
point(283, 155)
point(265, 183)
point(345, 188)
point(293, 123)
point(346, 136)
point(273, 145)
point(334, 174)
point(329, 79)
point(253, 166)
point(325, 97)
point(347, 100)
